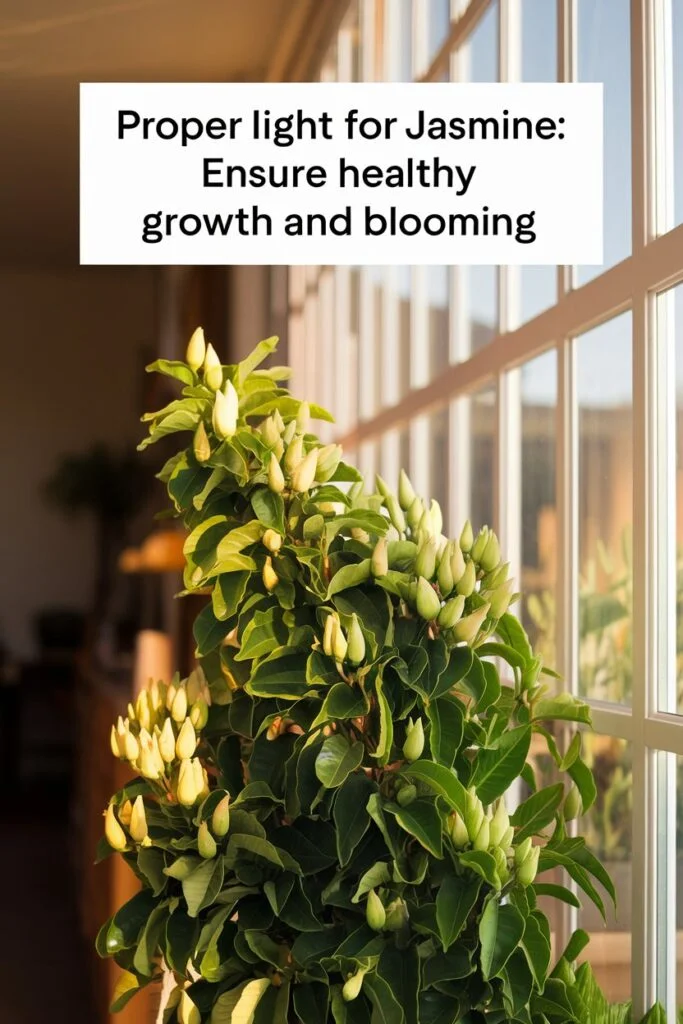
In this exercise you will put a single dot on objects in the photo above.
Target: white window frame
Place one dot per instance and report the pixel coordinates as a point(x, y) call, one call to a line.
point(655, 264)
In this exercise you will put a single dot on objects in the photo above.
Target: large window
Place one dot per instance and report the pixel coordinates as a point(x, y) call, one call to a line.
point(548, 402)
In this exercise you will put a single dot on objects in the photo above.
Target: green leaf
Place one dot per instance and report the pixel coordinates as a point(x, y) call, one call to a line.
point(201, 887)
point(500, 931)
point(258, 354)
point(581, 774)
point(441, 780)
point(337, 759)
point(228, 594)
point(126, 987)
point(282, 674)
point(173, 368)
point(379, 874)
point(184, 418)
point(143, 961)
point(483, 864)
point(511, 632)
point(269, 509)
point(457, 667)
point(578, 941)
point(496, 767)
point(537, 811)
point(264, 633)
point(238, 1005)
point(455, 901)
point(447, 718)
point(385, 1007)
point(350, 813)
point(151, 864)
point(209, 632)
point(563, 708)
point(349, 576)
point(386, 725)
point(423, 821)
point(557, 892)
point(400, 969)
point(536, 946)
point(342, 702)
point(261, 849)
point(504, 651)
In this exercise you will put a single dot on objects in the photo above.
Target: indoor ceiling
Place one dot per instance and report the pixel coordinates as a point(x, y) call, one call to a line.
point(48, 46)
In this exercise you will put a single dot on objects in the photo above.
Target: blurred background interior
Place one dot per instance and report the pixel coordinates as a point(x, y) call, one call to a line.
point(547, 402)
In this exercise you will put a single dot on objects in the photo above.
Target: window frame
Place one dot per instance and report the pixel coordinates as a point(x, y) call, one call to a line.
point(654, 265)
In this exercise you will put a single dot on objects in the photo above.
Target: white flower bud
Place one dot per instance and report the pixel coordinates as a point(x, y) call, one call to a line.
point(196, 350)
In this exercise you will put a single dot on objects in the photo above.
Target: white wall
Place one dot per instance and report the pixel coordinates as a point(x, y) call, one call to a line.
point(72, 349)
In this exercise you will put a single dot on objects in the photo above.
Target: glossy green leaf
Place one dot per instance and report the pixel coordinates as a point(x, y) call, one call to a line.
point(498, 766)
point(537, 811)
point(500, 931)
point(455, 901)
point(337, 760)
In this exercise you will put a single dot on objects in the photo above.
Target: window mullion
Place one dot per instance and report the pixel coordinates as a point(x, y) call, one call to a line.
point(567, 554)
point(645, 587)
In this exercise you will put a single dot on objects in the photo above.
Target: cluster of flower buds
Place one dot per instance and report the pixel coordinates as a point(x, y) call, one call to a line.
point(461, 585)
point(216, 828)
point(345, 647)
point(414, 742)
point(126, 825)
point(290, 465)
point(484, 830)
point(160, 734)
point(381, 918)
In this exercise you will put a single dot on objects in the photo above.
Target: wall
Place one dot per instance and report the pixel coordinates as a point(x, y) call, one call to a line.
point(72, 349)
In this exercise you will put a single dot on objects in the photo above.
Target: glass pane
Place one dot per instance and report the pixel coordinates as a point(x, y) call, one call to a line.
point(354, 334)
point(439, 462)
point(377, 278)
point(439, 23)
point(538, 291)
point(479, 54)
point(539, 513)
point(607, 829)
point(482, 456)
point(437, 299)
point(605, 510)
point(476, 308)
point(403, 452)
point(404, 291)
point(539, 41)
point(604, 55)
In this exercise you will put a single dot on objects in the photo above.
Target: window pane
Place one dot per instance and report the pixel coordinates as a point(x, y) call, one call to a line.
point(539, 516)
point(483, 426)
point(439, 23)
point(539, 41)
point(476, 308)
point(354, 334)
point(605, 510)
point(604, 55)
point(438, 460)
point(404, 291)
point(479, 54)
point(607, 829)
point(437, 299)
point(538, 291)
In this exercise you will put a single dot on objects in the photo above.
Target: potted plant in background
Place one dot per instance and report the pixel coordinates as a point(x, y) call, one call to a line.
point(320, 821)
